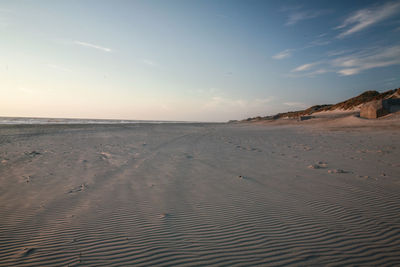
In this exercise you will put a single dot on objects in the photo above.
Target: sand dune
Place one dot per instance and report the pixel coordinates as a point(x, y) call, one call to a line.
point(199, 194)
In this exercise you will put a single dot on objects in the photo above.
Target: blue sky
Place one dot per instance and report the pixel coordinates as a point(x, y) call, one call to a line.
point(192, 60)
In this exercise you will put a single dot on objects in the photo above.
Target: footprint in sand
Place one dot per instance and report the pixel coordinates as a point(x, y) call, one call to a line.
point(337, 171)
point(164, 215)
point(314, 166)
point(27, 178)
point(33, 154)
point(80, 188)
point(318, 165)
point(105, 155)
point(322, 164)
point(112, 159)
point(28, 251)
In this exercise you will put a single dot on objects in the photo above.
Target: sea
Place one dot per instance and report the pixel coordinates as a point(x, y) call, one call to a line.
point(29, 120)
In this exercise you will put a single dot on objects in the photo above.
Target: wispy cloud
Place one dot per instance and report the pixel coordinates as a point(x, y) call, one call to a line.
point(318, 42)
point(318, 72)
point(98, 47)
point(298, 16)
point(348, 72)
point(284, 54)
point(367, 17)
point(305, 67)
point(377, 58)
point(334, 53)
point(351, 64)
point(310, 74)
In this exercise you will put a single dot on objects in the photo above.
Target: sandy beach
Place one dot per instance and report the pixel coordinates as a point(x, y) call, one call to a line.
point(200, 194)
point(200, 133)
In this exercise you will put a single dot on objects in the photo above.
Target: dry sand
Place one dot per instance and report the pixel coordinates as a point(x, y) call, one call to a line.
point(200, 194)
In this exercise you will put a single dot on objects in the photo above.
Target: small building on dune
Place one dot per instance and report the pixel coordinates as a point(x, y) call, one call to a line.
point(373, 110)
point(379, 108)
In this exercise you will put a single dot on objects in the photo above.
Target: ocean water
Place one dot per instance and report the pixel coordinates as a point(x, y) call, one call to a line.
point(26, 120)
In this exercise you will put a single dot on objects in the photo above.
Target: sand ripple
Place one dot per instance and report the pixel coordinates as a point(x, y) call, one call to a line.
point(191, 197)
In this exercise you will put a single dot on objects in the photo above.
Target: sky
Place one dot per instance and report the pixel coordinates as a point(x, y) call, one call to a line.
point(192, 60)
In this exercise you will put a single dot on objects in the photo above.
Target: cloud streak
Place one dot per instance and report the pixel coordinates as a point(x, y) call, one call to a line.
point(284, 54)
point(320, 40)
point(305, 67)
point(298, 16)
point(98, 47)
point(367, 17)
point(352, 64)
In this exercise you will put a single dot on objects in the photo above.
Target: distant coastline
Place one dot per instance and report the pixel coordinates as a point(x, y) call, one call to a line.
point(41, 120)
point(350, 105)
